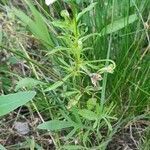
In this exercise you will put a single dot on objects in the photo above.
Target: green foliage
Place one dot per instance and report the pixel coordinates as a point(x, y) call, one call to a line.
point(36, 25)
point(28, 83)
point(1, 36)
point(57, 84)
point(55, 125)
point(2, 147)
point(90, 7)
point(144, 140)
point(4, 2)
point(73, 147)
point(91, 103)
point(99, 53)
point(10, 102)
point(88, 114)
point(118, 24)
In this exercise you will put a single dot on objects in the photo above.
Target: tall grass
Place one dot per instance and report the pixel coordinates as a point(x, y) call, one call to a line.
point(78, 41)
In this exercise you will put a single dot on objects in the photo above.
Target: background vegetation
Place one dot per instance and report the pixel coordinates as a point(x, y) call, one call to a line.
point(77, 71)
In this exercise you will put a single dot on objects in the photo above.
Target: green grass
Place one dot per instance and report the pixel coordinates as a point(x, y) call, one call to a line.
point(107, 39)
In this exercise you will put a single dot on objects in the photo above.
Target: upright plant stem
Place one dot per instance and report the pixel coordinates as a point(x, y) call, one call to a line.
point(105, 75)
point(103, 94)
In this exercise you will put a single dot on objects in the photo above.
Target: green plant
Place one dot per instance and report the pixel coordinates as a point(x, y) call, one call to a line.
point(76, 94)
point(13, 101)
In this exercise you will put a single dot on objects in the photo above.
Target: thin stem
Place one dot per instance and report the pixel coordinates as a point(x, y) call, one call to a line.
point(30, 60)
point(36, 75)
point(103, 94)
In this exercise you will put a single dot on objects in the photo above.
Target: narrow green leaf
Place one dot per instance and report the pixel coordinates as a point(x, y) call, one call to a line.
point(88, 114)
point(2, 147)
point(54, 86)
point(57, 84)
point(113, 27)
point(108, 124)
point(60, 24)
point(55, 125)
point(145, 92)
point(10, 102)
point(69, 93)
point(58, 49)
point(73, 147)
point(39, 22)
point(63, 62)
point(28, 83)
point(36, 25)
point(1, 35)
point(119, 24)
point(70, 134)
point(90, 7)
